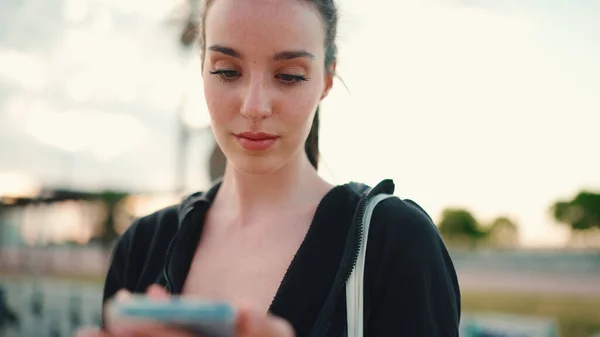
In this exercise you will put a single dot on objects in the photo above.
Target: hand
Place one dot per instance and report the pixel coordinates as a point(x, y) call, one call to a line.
point(249, 324)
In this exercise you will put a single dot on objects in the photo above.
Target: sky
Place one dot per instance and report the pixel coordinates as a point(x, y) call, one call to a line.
point(488, 105)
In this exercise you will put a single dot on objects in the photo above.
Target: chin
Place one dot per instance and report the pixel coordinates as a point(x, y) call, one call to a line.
point(258, 163)
point(255, 165)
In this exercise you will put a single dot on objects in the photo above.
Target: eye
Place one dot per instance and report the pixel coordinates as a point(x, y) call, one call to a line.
point(291, 79)
point(226, 75)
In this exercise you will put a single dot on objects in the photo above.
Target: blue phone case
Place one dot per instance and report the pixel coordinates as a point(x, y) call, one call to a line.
point(205, 318)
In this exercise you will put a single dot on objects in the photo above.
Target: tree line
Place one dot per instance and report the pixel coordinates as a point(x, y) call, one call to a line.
point(460, 228)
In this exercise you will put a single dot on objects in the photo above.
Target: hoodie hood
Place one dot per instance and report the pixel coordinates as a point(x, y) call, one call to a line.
point(206, 197)
point(189, 202)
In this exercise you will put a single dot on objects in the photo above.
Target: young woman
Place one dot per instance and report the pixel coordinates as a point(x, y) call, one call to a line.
point(273, 237)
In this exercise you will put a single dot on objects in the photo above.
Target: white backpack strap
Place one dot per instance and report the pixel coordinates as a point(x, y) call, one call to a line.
point(355, 284)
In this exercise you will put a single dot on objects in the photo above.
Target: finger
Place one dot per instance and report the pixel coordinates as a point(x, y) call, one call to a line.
point(157, 292)
point(251, 324)
point(123, 295)
point(147, 330)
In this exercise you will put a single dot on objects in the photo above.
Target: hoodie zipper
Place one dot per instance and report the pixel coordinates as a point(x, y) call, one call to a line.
point(166, 269)
point(186, 212)
point(168, 283)
point(322, 326)
point(351, 252)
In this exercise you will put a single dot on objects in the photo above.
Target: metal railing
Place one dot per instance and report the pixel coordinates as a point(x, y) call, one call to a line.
point(46, 308)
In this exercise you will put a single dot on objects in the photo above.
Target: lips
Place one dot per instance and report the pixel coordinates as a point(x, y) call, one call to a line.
point(256, 135)
point(256, 141)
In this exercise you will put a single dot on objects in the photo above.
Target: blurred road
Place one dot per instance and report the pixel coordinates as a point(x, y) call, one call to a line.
point(527, 281)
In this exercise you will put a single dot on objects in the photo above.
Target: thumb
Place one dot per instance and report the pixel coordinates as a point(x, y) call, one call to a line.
point(157, 292)
point(122, 295)
point(251, 324)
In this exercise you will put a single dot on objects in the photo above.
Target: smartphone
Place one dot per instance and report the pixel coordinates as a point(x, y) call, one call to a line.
point(204, 318)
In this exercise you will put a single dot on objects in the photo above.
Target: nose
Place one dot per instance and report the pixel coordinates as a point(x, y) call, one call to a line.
point(256, 101)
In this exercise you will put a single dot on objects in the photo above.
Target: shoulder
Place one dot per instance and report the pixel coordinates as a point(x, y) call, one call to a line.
point(166, 218)
point(409, 272)
point(133, 250)
point(157, 223)
point(405, 247)
point(396, 220)
point(403, 217)
point(402, 231)
point(147, 233)
point(159, 226)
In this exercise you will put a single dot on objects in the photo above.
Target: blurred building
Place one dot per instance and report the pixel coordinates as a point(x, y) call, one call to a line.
point(51, 231)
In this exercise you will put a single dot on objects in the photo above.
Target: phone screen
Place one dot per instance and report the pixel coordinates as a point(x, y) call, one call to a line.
point(204, 318)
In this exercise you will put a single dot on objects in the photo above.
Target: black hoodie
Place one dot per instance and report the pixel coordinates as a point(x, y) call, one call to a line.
point(411, 287)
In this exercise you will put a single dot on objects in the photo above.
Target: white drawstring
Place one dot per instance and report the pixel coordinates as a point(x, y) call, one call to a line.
point(355, 284)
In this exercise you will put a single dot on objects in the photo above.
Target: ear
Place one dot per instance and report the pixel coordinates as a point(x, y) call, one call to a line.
point(329, 73)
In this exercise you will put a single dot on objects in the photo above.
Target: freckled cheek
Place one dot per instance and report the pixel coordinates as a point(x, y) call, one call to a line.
point(222, 105)
point(298, 114)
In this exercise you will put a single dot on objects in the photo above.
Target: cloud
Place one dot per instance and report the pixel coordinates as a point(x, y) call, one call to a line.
point(100, 133)
point(17, 184)
point(24, 69)
point(465, 106)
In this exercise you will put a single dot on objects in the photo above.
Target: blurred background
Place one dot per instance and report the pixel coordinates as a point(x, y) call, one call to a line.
point(486, 113)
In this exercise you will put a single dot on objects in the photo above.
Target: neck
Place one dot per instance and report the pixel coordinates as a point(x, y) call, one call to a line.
point(296, 184)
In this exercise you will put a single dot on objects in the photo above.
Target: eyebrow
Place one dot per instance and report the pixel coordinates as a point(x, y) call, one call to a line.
point(225, 50)
point(292, 54)
point(280, 56)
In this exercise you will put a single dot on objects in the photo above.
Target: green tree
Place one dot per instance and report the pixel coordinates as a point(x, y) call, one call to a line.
point(580, 213)
point(111, 200)
point(503, 232)
point(459, 227)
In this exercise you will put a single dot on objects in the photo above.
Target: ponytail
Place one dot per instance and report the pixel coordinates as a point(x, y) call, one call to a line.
point(311, 146)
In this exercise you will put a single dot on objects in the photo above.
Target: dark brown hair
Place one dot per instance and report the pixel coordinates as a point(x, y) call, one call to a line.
point(329, 14)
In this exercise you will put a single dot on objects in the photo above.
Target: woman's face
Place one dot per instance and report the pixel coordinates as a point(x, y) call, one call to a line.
point(264, 76)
